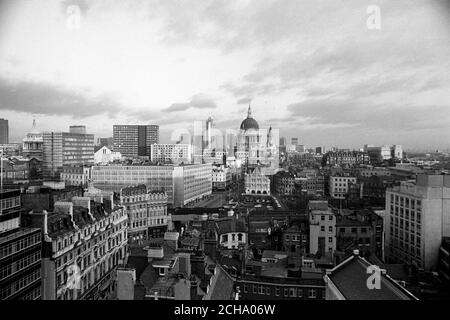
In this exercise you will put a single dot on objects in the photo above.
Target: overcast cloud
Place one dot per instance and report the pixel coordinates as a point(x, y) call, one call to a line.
point(311, 68)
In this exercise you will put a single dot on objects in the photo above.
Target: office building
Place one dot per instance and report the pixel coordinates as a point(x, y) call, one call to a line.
point(4, 131)
point(294, 141)
point(135, 140)
point(171, 153)
point(66, 149)
point(182, 184)
point(191, 183)
point(345, 158)
point(417, 218)
point(77, 129)
point(20, 252)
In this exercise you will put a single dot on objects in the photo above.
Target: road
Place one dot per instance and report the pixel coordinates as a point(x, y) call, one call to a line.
point(218, 199)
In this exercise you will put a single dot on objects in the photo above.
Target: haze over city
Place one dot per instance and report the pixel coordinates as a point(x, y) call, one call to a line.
point(312, 69)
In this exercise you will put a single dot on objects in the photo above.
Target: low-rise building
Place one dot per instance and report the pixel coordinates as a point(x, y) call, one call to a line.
point(357, 279)
point(284, 183)
point(221, 177)
point(146, 210)
point(105, 155)
point(322, 228)
point(339, 186)
point(363, 231)
point(296, 239)
point(232, 232)
point(281, 277)
point(76, 175)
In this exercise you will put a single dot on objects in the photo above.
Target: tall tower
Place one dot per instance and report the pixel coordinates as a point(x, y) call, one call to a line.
point(209, 124)
point(4, 131)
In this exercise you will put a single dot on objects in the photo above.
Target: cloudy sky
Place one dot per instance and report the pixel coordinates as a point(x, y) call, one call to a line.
point(310, 68)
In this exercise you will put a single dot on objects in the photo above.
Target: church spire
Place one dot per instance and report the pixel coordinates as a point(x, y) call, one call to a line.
point(249, 112)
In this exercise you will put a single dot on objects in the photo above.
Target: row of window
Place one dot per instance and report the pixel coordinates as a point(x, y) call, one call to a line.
point(20, 245)
point(18, 285)
point(9, 203)
point(143, 223)
point(233, 237)
point(19, 265)
point(69, 240)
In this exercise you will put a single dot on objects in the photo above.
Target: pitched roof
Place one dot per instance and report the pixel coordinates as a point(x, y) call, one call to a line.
point(350, 279)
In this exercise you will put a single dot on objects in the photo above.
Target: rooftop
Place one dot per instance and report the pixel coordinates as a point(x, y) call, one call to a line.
point(350, 279)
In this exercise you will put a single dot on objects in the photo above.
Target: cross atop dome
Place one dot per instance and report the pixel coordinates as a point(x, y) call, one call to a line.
point(249, 122)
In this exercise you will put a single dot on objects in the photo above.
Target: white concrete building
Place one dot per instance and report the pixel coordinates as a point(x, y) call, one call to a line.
point(221, 177)
point(339, 186)
point(106, 155)
point(191, 183)
point(417, 218)
point(322, 228)
point(171, 153)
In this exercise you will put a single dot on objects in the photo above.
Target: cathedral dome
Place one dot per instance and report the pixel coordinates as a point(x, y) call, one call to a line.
point(249, 122)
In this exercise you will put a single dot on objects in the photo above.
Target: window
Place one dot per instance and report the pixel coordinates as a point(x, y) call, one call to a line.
point(330, 239)
point(330, 218)
point(225, 238)
point(292, 292)
point(312, 293)
point(322, 228)
point(300, 293)
point(277, 292)
point(322, 218)
point(330, 229)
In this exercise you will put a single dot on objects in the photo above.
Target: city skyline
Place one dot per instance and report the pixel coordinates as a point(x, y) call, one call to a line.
point(317, 73)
